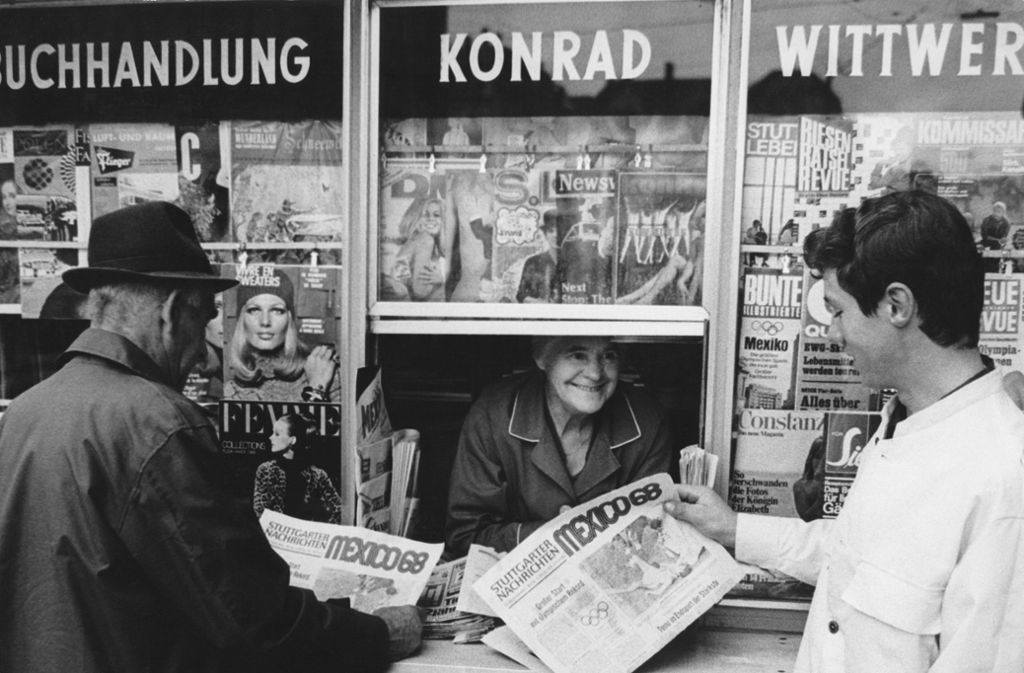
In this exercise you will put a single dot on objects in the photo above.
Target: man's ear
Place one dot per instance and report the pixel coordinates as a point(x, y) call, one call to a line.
point(170, 312)
point(900, 304)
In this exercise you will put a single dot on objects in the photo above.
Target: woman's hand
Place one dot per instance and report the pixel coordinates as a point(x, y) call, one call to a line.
point(320, 367)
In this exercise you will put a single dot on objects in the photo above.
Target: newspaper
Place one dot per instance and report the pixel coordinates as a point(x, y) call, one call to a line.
point(371, 569)
point(604, 586)
point(446, 619)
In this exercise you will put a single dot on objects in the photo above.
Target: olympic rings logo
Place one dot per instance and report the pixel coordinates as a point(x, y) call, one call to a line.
point(771, 328)
point(596, 615)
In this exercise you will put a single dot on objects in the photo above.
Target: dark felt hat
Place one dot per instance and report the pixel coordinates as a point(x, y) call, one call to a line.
point(150, 241)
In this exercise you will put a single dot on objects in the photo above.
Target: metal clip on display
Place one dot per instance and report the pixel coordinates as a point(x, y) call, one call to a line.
point(1006, 263)
point(586, 158)
point(531, 156)
point(483, 158)
point(431, 161)
point(314, 256)
point(638, 158)
point(579, 159)
point(649, 157)
point(241, 258)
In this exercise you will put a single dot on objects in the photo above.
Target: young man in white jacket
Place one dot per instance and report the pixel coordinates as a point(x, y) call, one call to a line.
point(923, 570)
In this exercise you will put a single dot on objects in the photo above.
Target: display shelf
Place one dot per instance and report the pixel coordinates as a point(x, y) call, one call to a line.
point(481, 310)
point(620, 148)
point(688, 328)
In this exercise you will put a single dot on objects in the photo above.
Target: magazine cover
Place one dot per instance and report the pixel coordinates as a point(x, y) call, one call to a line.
point(525, 245)
point(769, 339)
point(846, 435)
point(372, 570)
point(1000, 335)
point(769, 176)
point(687, 133)
point(45, 161)
point(585, 218)
point(10, 228)
point(205, 383)
point(286, 186)
point(43, 293)
point(397, 134)
point(281, 330)
point(132, 163)
point(436, 230)
point(280, 410)
point(768, 474)
point(202, 154)
point(659, 251)
point(268, 443)
point(532, 143)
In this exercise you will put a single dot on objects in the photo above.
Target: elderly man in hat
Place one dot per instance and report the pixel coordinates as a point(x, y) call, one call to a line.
point(121, 548)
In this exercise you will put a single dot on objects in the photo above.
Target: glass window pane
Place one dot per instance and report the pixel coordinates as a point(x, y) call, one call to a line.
point(542, 153)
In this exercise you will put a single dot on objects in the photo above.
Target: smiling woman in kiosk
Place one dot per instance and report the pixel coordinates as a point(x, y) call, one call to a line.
point(554, 437)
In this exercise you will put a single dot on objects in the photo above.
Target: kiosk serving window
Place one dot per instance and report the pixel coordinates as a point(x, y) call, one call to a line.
point(539, 170)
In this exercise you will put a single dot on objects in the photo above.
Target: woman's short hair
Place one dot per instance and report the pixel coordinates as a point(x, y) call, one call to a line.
point(912, 237)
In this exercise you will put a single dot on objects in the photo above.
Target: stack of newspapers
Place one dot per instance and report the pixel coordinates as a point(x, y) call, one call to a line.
point(405, 464)
point(388, 474)
point(454, 610)
point(697, 467)
point(388, 482)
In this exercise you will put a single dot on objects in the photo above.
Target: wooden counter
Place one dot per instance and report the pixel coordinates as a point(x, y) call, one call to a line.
point(698, 650)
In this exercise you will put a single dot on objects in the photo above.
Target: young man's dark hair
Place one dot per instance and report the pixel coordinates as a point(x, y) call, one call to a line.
point(911, 237)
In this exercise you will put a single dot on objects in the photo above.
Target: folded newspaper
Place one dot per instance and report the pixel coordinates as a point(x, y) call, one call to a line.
point(370, 568)
point(445, 596)
point(604, 586)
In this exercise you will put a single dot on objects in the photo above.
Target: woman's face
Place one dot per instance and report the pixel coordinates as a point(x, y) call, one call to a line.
point(265, 320)
point(10, 198)
point(430, 220)
point(582, 372)
point(281, 439)
point(215, 328)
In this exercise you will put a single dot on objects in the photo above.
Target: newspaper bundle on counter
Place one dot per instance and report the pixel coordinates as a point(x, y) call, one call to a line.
point(371, 569)
point(604, 586)
point(454, 611)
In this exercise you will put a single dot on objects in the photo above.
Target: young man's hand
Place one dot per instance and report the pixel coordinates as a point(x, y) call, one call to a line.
point(706, 511)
